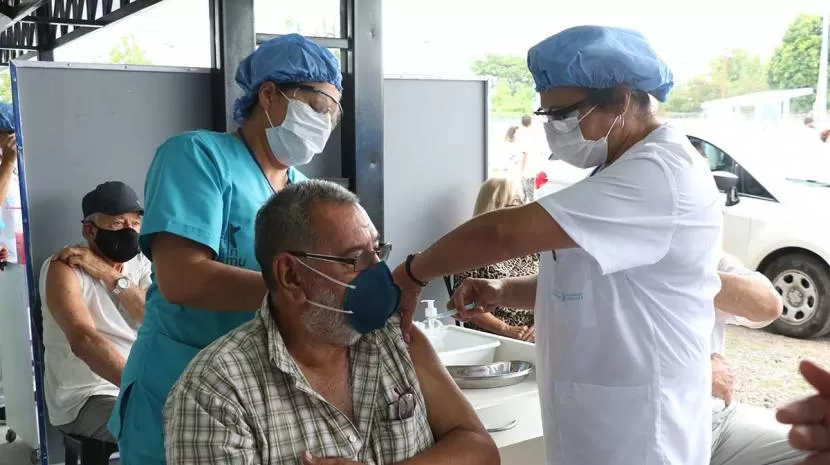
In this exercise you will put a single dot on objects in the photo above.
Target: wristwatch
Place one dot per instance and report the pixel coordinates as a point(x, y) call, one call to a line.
point(121, 285)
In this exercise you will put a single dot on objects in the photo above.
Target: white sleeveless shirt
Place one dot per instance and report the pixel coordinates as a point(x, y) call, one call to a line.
point(69, 382)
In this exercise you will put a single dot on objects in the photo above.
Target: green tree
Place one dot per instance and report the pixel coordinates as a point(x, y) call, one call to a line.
point(737, 73)
point(745, 73)
point(513, 91)
point(687, 96)
point(128, 52)
point(794, 63)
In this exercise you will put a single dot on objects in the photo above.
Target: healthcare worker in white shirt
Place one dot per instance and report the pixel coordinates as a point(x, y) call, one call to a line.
point(624, 297)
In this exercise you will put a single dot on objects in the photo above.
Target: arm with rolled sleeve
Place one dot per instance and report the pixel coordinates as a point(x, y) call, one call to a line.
point(182, 228)
point(747, 296)
point(624, 217)
point(203, 426)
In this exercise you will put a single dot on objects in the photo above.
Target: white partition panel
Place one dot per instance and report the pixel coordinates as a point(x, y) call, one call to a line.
point(434, 161)
point(80, 125)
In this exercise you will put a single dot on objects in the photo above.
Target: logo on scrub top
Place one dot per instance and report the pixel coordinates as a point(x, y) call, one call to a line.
point(232, 230)
point(232, 257)
point(568, 296)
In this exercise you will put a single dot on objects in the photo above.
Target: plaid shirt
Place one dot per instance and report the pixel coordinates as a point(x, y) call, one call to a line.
point(244, 400)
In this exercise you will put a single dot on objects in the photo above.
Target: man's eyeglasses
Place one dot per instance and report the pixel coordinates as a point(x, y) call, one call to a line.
point(319, 100)
point(360, 262)
point(403, 407)
point(558, 114)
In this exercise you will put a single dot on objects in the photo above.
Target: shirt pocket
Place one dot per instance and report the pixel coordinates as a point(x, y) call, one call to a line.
point(570, 290)
point(603, 424)
point(399, 440)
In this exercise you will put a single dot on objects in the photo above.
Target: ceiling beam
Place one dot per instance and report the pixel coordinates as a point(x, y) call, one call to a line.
point(18, 47)
point(9, 15)
point(64, 22)
point(130, 8)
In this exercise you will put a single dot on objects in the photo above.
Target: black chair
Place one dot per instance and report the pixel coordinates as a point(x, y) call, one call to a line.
point(89, 451)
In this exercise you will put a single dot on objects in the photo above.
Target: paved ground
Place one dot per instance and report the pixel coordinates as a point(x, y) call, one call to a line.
point(766, 365)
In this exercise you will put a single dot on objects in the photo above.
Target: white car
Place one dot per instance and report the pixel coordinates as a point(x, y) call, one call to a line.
point(779, 225)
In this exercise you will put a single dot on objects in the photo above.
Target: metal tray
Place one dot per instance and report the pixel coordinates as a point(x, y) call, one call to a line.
point(491, 375)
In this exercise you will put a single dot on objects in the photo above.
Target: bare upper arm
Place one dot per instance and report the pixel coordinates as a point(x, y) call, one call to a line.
point(66, 303)
point(446, 406)
point(173, 257)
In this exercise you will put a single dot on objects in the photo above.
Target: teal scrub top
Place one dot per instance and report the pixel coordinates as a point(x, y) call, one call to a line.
point(206, 187)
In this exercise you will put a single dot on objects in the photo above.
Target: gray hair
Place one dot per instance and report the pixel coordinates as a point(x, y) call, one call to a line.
point(93, 218)
point(284, 223)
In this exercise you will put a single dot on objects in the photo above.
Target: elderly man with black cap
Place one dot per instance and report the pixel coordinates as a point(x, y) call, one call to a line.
point(624, 297)
point(93, 304)
point(203, 191)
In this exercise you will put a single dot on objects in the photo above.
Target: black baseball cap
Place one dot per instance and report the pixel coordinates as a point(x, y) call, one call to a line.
point(112, 198)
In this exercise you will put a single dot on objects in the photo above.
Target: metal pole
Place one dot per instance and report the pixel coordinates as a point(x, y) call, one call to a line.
point(233, 40)
point(820, 107)
point(45, 35)
point(362, 126)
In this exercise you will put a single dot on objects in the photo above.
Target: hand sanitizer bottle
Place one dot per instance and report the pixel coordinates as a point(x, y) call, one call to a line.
point(433, 328)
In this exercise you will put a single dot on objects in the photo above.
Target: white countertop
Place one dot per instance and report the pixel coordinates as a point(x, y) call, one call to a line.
point(499, 406)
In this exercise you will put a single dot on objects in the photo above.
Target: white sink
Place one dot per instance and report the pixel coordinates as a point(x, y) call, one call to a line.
point(461, 346)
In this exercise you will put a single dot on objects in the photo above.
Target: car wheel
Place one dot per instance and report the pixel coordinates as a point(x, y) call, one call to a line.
point(804, 283)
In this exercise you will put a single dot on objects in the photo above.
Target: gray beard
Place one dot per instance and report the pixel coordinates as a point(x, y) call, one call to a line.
point(327, 325)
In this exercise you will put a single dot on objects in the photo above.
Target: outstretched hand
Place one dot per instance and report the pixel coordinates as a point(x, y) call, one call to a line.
point(810, 417)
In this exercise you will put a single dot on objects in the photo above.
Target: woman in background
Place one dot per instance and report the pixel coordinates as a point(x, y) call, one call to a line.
point(512, 153)
point(494, 194)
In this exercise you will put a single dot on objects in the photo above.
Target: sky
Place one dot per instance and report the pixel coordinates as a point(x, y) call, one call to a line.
point(444, 37)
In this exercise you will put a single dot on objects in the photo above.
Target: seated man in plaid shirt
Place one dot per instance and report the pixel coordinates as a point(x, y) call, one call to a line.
point(321, 376)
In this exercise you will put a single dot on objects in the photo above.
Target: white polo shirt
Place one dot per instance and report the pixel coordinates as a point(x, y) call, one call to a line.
point(623, 323)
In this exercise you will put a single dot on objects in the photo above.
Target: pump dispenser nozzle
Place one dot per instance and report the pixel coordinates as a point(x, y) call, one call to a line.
point(430, 311)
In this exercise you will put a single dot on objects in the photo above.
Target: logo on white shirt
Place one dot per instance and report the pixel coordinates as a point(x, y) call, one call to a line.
point(568, 296)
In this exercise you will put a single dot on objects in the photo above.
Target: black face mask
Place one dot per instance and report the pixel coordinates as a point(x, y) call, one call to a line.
point(119, 246)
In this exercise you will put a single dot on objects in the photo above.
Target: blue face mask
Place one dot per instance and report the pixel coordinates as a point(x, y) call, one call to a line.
point(370, 299)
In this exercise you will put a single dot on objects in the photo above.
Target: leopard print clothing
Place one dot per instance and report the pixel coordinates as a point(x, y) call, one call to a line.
point(514, 268)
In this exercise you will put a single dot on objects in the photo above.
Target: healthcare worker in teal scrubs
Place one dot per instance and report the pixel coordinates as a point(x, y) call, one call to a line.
point(202, 194)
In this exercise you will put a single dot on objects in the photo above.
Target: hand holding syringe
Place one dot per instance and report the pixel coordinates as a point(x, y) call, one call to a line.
point(474, 296)
point(449, 313)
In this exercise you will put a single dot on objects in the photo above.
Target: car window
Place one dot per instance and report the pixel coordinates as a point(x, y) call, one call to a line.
point(717, 158)
point(721, 161)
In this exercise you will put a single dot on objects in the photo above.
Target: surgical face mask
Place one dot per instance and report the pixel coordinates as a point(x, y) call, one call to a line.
point(370, 299)
point(119, 246)
point(567, 143)
point(302, 134)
